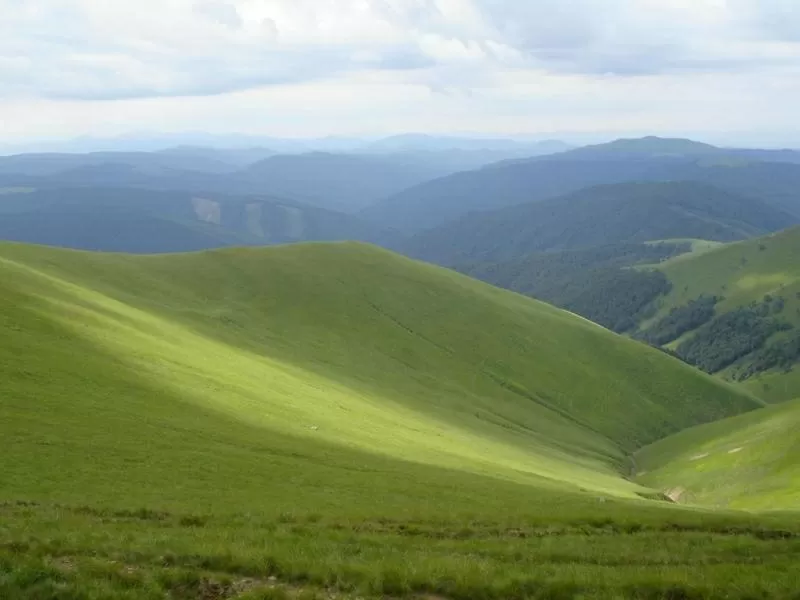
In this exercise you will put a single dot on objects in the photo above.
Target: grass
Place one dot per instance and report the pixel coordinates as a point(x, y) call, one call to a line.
point(696, 248)
point(749, 461)
point(742, 273)
point(343, 420)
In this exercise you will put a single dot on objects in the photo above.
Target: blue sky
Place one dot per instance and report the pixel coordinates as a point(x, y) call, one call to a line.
point(715, 69)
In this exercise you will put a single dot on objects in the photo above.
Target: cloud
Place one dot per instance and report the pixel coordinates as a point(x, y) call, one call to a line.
point(224, 13)
point(94, 49)
point(150, 48)
point(389, 65)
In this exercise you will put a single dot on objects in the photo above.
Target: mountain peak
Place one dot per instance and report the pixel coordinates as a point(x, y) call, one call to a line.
point(649, 146)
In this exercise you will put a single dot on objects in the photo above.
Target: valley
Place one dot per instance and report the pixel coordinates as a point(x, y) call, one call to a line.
point(258, 392)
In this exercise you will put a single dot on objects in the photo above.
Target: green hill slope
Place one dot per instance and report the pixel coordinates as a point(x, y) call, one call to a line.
point(742, 275)
point(750, 461)
point(375, 351)
point(341, 418)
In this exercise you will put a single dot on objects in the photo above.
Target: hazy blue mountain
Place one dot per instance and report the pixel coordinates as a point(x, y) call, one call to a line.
point(148, 221)
point(415, 142)
point(777, 183)
point(238, 158)
point(147, 163)
point(514, 182)
point(599, 216)
point(347, 182)
point(446, 199)
point(339, 181)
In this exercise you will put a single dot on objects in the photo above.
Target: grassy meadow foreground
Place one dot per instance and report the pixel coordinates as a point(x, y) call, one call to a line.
point(335, 420)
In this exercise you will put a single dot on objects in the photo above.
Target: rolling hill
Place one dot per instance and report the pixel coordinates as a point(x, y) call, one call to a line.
point(449, 198)
point(743, 278)
point(377, 335)
point(147, 221)
point(771, 176)
point(598, 216)
point(342, 182)
point(749, 461)
point(328, 418)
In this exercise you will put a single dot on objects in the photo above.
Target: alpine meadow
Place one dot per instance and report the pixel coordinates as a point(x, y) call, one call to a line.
point(327, 419)
point(399, 300)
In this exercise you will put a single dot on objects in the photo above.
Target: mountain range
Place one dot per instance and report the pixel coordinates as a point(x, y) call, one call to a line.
point(189, 414)
point(599, 216)
point(767, 175)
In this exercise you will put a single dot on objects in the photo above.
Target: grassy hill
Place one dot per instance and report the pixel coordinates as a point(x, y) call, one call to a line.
point(599, 216)
point(749, 461)
point(742, 275)
point(329, 419)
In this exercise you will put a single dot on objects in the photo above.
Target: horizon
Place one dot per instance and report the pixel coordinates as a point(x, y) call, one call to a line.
point(722, 72)
point(155, 142)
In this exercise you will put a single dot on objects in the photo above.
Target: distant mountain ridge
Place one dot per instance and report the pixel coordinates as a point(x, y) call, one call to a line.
point(147, 221)
point(337, 181)
point(514, 182)
point(598, 216)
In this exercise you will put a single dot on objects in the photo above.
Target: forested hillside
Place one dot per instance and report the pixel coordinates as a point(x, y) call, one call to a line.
point(735, 311)
point(147, 221)
point(599, 216)
point(595, 283)
point(772, 176)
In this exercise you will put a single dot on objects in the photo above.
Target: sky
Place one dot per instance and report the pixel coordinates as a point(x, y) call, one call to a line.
point(712, 69)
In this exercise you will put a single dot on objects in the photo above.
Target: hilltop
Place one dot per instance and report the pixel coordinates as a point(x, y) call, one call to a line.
point(646, 147)
point(599, 216)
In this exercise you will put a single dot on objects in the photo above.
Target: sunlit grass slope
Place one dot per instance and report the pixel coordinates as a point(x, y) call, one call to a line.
point(742, 273)
point(750, 461)
point(339, 417)
point(340, 345)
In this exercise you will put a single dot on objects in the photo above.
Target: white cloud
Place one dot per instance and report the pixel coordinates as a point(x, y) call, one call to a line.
point(481, 60)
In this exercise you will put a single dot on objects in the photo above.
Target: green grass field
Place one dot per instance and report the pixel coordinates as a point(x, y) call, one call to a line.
point(335, 419)
point(749, 461)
